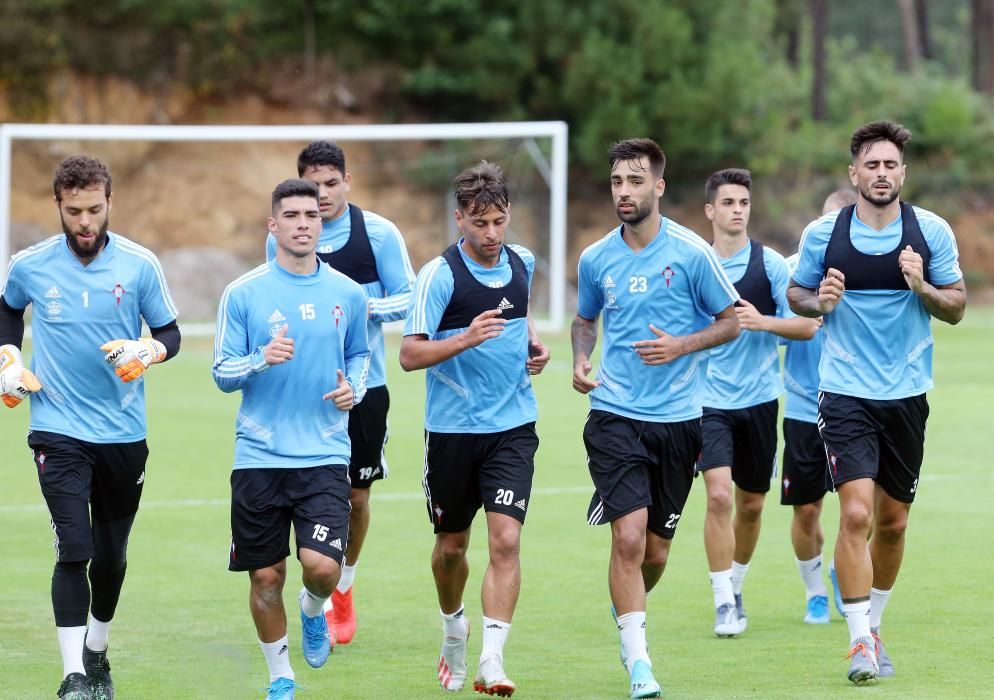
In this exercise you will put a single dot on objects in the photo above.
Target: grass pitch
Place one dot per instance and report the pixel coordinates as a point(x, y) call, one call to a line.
point(183, 628)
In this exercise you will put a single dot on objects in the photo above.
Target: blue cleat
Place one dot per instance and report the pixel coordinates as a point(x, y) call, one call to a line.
point(643, 683)
point(817, 613)
point(837, 592)
point(740, 613)
point(316, 641)
point(884, 663)
point(281, 689)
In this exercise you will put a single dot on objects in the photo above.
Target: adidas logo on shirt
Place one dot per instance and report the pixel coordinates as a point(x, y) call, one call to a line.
point(504, 305)
point(276, 317)
point(608, 282)
point(521, 504)
point(53, 293)
point(337, 544)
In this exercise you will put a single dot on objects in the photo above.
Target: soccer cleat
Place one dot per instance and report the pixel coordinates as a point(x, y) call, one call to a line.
point(491, 679)
point(884, 664)
point(75, 687)
point(817, 613)
point(836, 591)
point(281, 689)
point(452, 661)
point(643, 685)
point(315, 640)
point(863, 666)
point(740, 613)
point(726, 621)
point(98, 674)
point(343, 616)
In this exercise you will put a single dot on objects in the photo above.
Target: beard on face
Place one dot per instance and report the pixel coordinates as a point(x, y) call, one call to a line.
point(639, 213)
point(89, 251)
point(880, 200)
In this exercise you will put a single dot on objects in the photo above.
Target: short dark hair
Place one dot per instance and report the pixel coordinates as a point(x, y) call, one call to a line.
point(481, 188)
point(80, 172)
point(869, 134)
point(321, 153)
point(295, 187)
point(728, 176)
point(633, 149)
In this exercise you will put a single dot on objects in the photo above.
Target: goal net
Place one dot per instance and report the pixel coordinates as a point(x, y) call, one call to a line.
point(199, 195)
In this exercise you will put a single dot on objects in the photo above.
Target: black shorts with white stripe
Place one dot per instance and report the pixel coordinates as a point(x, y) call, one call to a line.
point(640, 464)
point(464, 471)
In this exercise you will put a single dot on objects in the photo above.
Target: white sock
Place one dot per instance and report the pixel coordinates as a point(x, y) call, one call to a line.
point(494, 635)
point(811, 575)
point(97, 634)
point(739, 572)
point(878, 601)
point(348, 576)
point(310, 604)
point(71, 646)
point(721, 584)
point(858, 619)
point(277, 658)
point(455, 624)
point(631, 626)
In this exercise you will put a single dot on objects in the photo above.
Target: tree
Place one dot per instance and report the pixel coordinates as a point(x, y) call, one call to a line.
point(982, 44)
point(911, 33)
point(819, 27)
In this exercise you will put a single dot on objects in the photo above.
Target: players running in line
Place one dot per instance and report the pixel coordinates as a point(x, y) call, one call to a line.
point(873, 272)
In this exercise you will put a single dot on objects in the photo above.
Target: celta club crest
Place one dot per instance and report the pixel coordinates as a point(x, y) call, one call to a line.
point(833, 459)
point(118, 292)
point(337, 313)
point(668, 274)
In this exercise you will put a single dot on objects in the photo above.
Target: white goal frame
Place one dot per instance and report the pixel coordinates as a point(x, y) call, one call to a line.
point(553, 172)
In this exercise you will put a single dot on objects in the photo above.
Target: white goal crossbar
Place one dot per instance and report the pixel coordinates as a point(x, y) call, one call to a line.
point(556, 130)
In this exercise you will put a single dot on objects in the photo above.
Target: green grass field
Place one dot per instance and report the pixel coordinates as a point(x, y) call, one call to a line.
point(183, 628)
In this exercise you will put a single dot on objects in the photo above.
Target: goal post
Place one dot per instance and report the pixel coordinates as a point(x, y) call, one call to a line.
point(552, 169)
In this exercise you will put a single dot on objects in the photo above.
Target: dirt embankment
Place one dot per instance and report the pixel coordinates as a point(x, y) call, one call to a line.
point(215, 196)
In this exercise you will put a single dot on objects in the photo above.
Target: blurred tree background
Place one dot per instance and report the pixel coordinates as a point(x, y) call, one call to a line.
point(773, 85)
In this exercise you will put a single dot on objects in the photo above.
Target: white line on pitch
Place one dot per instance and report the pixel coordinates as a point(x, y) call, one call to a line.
point(216, 502)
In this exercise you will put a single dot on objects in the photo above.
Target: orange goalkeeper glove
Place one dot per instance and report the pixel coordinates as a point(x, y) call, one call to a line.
point(130, 358)
point(16, 380)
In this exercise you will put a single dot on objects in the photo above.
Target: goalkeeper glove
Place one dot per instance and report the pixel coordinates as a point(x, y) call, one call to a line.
point(16, 380)
point(131, 358)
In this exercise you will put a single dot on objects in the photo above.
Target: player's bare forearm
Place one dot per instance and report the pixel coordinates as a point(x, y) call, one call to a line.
point(583, 334)
point(803, 301)
point(725, 328)
point(797, 328)
point(946, 302)
point(417, 352)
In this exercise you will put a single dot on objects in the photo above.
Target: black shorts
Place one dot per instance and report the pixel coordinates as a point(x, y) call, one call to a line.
point(265, 501)
point(76, 475)
point(640, 464)
point(466, 470)
point(805, 466)
point(744, 439)
point(879, 440)
point(368, 433)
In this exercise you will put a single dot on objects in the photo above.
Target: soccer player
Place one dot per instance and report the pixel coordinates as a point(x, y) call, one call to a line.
point(291, 335)
point(468, 324)
point(739, 426)
point(89, 289)
point(877, 272)
point(804, 478)
point(665, 301)
point(370, 250)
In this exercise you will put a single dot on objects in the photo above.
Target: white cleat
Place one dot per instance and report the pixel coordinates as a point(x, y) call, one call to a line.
point(452, 661)
point(492, 680)
point(726, 621)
